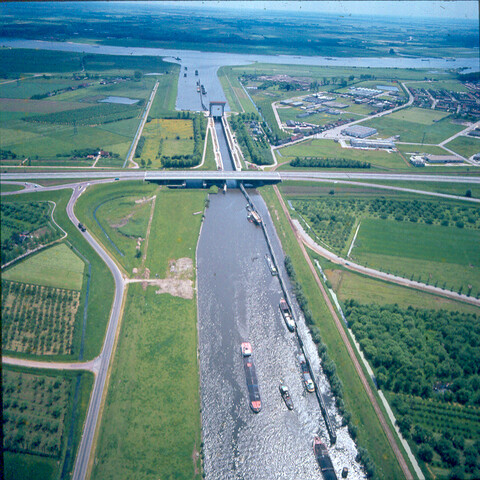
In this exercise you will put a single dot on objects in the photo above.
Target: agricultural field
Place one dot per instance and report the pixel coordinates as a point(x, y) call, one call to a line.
point(57, 267)
point(65, 115)
point(465, 146)
point(38, 320)
point(167, 137)
point(415, 125)
point(39, 419)
point(427, 361)
point(25, 226)
point(379, 159)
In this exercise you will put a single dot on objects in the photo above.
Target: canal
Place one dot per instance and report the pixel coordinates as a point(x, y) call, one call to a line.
point(238, 301)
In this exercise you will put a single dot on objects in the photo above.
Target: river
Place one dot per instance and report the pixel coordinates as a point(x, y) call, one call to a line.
point(207, 64)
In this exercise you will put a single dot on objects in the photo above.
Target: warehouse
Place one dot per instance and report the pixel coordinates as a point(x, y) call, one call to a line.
point(442, 159)
point(359, 131)
point(355, 143)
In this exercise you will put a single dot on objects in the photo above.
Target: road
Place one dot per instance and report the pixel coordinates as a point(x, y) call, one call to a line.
point(133, 147)
point(92, 365)
point(231, 175)
point(84, 450)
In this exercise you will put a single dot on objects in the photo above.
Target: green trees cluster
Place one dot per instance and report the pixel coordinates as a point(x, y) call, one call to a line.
point(139, 148)
point(427, 353)
point(328, 366)
point(19, 220)
point(320, 162)
point(7, 155)
point(255, 150)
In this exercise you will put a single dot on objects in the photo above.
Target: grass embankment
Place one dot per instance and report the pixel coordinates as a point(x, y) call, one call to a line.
point(5, 187)
point(370, 433)
point(349, 285)
point(123, 220)
point(236, 96)
point(151, 422)
point(210, 163)
point(56, 267)
point(101, 281)
point(38, 453)
point(166, 93)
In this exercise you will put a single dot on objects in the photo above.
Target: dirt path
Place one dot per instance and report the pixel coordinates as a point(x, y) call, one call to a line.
point(147, 236)
point(356, 363)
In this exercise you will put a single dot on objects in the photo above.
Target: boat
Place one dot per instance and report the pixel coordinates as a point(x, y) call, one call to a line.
point(254, 217)
point(307, 379)
point(287, 315)
point(198, 89)
point(285, 393)
point(204, 92)
point(251, 376)
point(323, 459)
point(271, 265)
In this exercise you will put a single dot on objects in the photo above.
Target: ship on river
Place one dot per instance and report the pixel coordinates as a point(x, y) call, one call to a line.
point(323, 459)
point(251, 376)
point(287, 315)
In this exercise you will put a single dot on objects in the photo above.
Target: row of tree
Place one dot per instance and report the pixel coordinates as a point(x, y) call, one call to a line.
point(320, 162)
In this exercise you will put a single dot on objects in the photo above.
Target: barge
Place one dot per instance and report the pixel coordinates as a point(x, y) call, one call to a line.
point(251, 376)
point(271, 265)
point(285, 393)
point(323, 459)
point(287, 315)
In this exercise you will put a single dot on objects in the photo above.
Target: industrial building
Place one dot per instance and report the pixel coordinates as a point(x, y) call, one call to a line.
point(356, 143)
point(359, 131)
point(442, 159)
point(387, 88)
point(335, 105)
point(364, 92)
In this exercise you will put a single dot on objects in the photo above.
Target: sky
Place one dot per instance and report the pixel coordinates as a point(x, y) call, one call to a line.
point(404, 8)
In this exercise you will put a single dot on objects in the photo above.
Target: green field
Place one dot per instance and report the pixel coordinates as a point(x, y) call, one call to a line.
point(349, 285)
point(236, 96)
point(370, 433)
point(5, 187)
point(328, 148)
point(412, 123)
point(174, 227)
point(434, 254)
point(465, 146)
point(57, 266)
point(119, 216)
point(166, 96)
point(414, 148)
point(151, 424)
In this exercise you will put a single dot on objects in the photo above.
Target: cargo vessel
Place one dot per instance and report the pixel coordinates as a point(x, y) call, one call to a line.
point(254, 217)
point(204, 92)
point(287, 315)
point(323, 459)
point(307, 379)
point(251, 376)
point(271, 265)
point(285, 393)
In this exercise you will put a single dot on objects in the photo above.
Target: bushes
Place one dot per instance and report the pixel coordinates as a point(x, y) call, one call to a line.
point(319, 162)
point(140, 145)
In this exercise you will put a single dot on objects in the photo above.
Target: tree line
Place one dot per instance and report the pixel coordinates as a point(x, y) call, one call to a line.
point(320, 162)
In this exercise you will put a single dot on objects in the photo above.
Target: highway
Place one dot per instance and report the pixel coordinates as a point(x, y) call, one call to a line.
point(233, 175)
